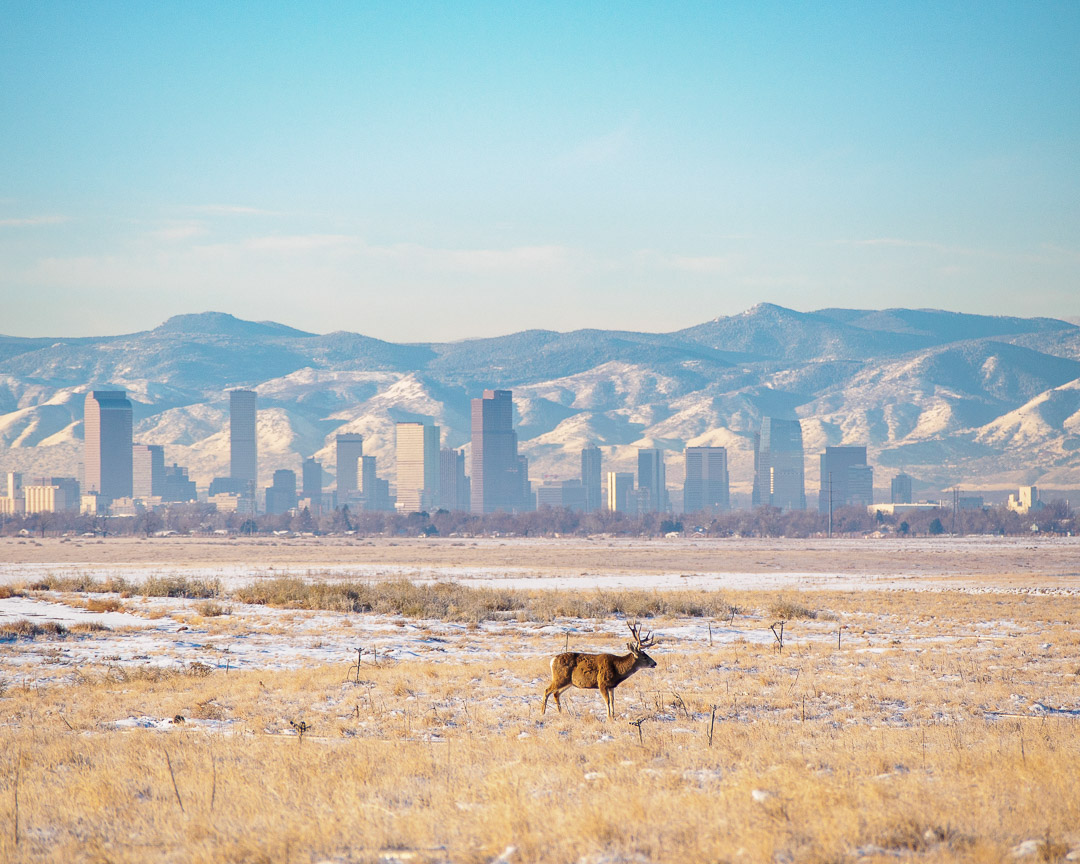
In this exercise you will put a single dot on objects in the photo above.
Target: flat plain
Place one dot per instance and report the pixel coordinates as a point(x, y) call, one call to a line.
point(351, 699)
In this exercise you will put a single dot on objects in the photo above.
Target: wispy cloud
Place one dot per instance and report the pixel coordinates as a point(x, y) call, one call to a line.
point(235, 210)
point(179, 231)
point(899, 242)
point(288, 243)
point(31, 221)
point(514, 258)
point(603, 148)
point(479, 260)
point(702, 263)
point(944, 248)
point(1062, 251)
point(687, 263)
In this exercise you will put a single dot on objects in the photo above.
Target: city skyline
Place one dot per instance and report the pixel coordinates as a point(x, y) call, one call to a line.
point(846, 478)
point(397, 160)
point(972, 400)
point(112, 459)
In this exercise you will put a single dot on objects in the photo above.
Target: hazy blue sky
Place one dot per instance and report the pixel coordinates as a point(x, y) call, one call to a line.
point(421, 171)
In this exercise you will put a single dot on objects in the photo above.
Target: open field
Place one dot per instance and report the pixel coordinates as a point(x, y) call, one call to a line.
point(949, 561)
point(155, 706)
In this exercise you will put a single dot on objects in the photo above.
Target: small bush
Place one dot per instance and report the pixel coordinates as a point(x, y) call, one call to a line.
point(80, 583)
point(89, 627)
point(212, 609)
point(26, 629)
point(104, 604)
point(180, 586)
point(789, 608)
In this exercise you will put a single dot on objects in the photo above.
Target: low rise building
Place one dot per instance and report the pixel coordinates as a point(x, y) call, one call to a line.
point(230, 502)
point(568, 494)
point(1025, 500)
point(49, 498)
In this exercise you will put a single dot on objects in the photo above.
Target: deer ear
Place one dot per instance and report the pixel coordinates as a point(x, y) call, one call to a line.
point(630, 645)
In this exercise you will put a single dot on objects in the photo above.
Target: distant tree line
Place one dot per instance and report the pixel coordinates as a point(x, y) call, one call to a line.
point(1055, 518)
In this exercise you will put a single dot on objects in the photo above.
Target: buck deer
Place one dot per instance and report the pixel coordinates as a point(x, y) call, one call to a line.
point(603, 672)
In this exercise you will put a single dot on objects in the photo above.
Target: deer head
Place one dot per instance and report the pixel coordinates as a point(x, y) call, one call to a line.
point(638, 646)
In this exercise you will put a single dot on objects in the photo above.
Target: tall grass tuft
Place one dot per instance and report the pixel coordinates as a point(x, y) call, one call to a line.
point(449, 601)
point(27, 629)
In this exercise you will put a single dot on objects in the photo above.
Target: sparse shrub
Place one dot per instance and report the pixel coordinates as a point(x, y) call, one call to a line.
point(212, 609)
point(788, 608)
point(104, 604)
point(80, 583)
point(180, 586)
point(449, 601)
point(26, 629)
point(89, 627)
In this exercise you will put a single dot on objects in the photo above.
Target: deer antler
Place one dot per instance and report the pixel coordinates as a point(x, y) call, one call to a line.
point(635, 631)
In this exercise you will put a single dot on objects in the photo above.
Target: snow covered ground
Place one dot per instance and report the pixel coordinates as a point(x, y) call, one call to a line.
point(170, 632)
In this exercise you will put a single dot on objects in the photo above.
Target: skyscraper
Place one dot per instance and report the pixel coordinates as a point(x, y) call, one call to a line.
point(107, 453)
point(281, 497)
point(374, 490)
point(901, 489)
point(652, 479)
point(846, 479)
point(778, 465)
point(178, 486)
point(368, 480)
point(496, 469)
point(311, 483)
point(147, 470)
point(243, 442)
point(417, 466)
point(620, 492)
point(706, 487)
point(526, 497)
point(453, 484)
point(591, 474)
point(349, 450)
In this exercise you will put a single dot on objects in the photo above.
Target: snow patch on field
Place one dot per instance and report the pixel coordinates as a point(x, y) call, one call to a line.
point(18, 608)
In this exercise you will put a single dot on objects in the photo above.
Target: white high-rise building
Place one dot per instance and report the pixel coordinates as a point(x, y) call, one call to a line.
point(417, 466)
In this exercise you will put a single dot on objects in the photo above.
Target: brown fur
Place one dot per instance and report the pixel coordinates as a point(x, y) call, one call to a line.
point(603, 672)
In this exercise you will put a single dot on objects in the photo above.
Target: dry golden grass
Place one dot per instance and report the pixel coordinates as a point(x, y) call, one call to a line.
point(104, 604)
point(915, 738)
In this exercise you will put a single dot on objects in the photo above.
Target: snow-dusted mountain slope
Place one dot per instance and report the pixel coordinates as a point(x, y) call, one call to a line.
point(984, 402)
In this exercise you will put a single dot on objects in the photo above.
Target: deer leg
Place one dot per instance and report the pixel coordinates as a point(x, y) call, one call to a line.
point(554, 690)
point(606, 693)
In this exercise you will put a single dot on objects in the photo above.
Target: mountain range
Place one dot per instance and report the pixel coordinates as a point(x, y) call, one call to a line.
point(983, 402)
